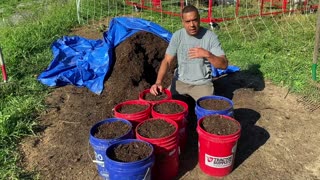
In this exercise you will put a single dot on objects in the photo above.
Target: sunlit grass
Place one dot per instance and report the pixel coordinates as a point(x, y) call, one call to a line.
point(26, 50)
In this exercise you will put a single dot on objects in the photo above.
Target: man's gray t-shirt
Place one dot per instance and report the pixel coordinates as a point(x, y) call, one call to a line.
point(193, 71)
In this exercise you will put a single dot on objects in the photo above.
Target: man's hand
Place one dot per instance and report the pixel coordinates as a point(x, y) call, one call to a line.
point(156, 89)
point(197, 52)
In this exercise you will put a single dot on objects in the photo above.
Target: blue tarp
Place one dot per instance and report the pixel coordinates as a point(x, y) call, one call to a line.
point(85, 63)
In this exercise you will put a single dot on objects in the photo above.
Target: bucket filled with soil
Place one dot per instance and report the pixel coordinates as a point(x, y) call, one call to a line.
point(152, 99)
point(162, 133)
point(176, 110)
point(130, 159)
point(134, 111)
point(218, 137)
point(207, 105)
point(104, 133)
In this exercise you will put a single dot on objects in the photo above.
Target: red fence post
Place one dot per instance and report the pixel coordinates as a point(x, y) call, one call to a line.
point(261, 7)
point(3, 67)
point(237, 8)
point(210, 10)
point(284, 5)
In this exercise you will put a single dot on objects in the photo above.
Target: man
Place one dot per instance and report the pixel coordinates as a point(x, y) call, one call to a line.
point(195, 48)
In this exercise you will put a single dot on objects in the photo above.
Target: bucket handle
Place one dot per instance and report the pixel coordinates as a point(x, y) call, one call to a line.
point(98, 162)
point(112, 110)
point(144, 178)
point(94, 160)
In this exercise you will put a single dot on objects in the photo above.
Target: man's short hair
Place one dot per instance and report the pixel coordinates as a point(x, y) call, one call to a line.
point(190, 8)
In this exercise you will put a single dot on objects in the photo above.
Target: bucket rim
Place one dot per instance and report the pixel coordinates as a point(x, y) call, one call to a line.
point(126, 141)
point(215, 97)
point(158, 139)
point(201, 130)
point(165, 90)
point(130, 102)
point(96, 125)
point(179, 102)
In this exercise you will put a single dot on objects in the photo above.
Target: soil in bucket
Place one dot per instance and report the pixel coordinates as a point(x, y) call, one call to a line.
point(177, 111)
point(134, 111)
point(219, 125)
point(158, 128)
point(130, 152)
point(152, 99)
point(168, 108)
point(218, 137)
point(130, 159)
point(112, 130)
point(162, 133)
point(214, 104)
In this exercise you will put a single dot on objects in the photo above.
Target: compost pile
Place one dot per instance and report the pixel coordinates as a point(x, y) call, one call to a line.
point(137, 61)
point(73, 110)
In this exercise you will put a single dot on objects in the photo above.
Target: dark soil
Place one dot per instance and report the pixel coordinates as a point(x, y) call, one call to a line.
point(130, 152)
point(168, 108)
point(151, 97)
point(156, 128)
point(214, 104)
point(137, 60)
point(218, 125)
point(131, 108)
point(112, 130)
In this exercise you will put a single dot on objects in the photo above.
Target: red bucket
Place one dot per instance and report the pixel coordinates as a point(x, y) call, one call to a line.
point(134, 118)
point(147, 91)
point(217, 152)
point(166, 152)
point(179, 118)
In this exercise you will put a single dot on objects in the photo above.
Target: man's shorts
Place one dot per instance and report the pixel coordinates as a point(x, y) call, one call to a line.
point(195, 91)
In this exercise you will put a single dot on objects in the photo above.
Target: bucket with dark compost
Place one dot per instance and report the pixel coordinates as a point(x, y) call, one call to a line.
point(134, 111)
point(146, 96)
point(213, 105)
point(162, 133)
point(176, 110)
point(103, 134)
point(130, 159)
point(217, 139)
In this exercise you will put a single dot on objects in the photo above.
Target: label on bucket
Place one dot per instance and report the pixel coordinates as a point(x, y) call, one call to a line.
point(218, 162)
point(99, 159)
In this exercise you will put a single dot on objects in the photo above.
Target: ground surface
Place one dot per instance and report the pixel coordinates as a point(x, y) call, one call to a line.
point(279, 140)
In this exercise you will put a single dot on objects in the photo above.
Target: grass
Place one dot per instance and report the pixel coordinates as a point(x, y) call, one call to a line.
point(26, 49)
point(281, 46)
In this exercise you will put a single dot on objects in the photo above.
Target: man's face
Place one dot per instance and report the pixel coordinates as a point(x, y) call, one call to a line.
point(191, 22)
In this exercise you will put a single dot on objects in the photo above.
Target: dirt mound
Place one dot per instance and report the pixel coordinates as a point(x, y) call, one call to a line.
point(72, 111)
point(137, 61)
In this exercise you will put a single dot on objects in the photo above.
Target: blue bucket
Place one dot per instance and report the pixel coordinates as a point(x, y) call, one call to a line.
point(100, 145)
point(200, 111)
point(137, 170)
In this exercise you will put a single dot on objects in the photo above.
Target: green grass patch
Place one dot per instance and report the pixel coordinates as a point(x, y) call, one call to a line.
point(27, 52)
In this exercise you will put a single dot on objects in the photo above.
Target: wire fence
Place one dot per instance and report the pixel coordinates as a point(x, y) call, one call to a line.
point(211, 11)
